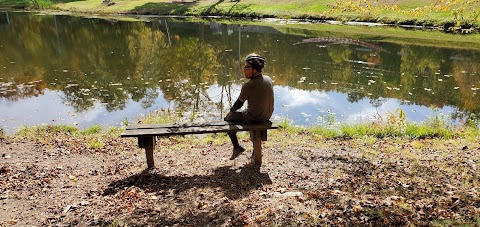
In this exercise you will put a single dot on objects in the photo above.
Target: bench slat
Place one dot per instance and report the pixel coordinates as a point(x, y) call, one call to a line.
point(192, 128)
point(179, 125)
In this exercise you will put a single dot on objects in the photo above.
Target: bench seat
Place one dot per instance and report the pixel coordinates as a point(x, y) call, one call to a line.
point(147, 133)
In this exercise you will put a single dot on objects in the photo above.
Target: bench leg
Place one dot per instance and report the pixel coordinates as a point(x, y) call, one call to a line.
point(257, 147)
point(149, 144)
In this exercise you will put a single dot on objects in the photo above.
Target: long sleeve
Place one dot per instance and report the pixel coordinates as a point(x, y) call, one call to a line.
point(237, 105)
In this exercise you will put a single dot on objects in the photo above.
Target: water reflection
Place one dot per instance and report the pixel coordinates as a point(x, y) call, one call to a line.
point(76, 70)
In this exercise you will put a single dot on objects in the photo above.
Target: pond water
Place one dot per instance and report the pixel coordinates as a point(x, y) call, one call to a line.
point(58, 69)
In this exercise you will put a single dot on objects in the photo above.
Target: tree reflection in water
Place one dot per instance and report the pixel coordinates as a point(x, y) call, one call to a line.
point(197, 66)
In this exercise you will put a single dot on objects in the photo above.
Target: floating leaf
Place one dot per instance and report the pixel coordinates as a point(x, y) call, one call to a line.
point(71, 85)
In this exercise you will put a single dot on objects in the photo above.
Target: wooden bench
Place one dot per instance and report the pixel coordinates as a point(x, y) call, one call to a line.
point(147, 133)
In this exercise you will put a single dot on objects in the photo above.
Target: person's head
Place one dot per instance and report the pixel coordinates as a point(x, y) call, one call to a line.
point(254, 64)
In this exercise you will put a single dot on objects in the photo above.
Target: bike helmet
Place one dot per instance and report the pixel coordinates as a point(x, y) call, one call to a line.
point(256, 61)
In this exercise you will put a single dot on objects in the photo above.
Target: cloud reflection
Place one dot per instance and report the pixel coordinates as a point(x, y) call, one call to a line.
point(297, 98)
point(303, 106)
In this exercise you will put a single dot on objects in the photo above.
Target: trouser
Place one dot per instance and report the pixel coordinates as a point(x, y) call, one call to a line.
point(237, 117)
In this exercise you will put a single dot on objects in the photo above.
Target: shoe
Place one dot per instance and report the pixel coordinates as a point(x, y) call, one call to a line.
point(236, 152)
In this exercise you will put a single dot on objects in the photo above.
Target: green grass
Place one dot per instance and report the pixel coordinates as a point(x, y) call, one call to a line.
point(95, 144)
point(452, 14)
point(394, 126)
point(283, 9)
point(160, 116)
point(94, 129)
point(13, 4)
point(42, 131)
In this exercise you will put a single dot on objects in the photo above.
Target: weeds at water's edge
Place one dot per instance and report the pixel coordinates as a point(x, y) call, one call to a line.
point(161, 116)
point(394, 126)
point(94, 129)
point(40, 131)
point(376, 130)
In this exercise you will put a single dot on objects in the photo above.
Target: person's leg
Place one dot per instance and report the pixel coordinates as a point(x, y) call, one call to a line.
point(234, 139)
point(237, 148)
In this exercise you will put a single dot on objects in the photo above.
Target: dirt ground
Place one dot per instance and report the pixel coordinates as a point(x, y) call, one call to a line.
point(304, 181)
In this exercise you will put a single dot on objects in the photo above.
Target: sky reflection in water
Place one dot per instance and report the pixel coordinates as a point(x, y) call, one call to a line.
point(299, 106)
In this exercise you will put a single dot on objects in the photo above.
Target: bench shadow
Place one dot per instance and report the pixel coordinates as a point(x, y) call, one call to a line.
point(236, 183)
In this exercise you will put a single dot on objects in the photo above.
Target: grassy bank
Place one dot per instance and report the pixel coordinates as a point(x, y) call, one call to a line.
point(393, 126)
point(453, 15)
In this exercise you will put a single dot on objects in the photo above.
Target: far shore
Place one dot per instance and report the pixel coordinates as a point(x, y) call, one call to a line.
point(460, 17)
